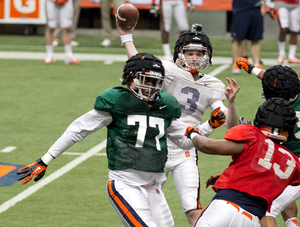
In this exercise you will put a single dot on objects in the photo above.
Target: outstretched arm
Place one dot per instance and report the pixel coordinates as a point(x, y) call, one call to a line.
point(232, 118)
point(213, 146)
point(77, 131)
point(175, 133)
point(250, 69)
point(127, 40)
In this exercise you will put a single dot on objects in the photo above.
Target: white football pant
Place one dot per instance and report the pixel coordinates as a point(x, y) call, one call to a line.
point(221, 213)
point(63, 14)
point(140, 205)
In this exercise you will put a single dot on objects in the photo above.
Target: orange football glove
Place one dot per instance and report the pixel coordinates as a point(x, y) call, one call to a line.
point(60, 2)
point(190, 129)
point(217, 118)
point(274, 13)
point(245, 64)
point(212, 180)
point(38, 168)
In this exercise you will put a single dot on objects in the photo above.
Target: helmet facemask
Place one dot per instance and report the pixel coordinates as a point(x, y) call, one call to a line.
point(275, 133)
point(146, 86)
point(193, 40)
point(193, 63)
point(144, 76)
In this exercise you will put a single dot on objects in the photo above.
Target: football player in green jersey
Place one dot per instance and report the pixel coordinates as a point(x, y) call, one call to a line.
point(137, 118)
point(281, 81)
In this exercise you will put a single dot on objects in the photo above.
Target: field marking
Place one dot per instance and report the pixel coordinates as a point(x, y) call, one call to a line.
point(58, 173)
point(78, 153)
point(218, 70)
point(8, 149)
point(107, 57)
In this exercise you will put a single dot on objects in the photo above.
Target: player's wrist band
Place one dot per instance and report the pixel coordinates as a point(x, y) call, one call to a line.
point(272, 5)
point(255, 71)
point(126, 38)
point(47, 158)
point(193, 134)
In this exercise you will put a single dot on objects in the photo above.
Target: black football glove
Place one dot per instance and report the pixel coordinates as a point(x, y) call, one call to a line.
point(38, 168)
point(217, 118)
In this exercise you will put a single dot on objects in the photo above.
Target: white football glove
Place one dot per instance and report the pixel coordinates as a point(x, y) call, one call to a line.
point(154, 10)
point(190, 7)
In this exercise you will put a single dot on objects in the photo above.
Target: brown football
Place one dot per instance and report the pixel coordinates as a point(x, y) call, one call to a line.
point(127, 15)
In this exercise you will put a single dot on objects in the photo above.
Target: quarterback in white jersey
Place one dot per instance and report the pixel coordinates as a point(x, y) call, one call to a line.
point(194, 96)
point(195, 93)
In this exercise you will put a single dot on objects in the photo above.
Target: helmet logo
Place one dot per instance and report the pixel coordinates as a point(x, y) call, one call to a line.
point(196, 38)
point(275, 81)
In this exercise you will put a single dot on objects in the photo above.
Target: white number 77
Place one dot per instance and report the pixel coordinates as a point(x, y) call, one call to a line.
point(266, 161)
point(141, 134)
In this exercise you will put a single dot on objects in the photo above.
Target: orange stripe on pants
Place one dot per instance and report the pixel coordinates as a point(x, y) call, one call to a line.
point(122, 206)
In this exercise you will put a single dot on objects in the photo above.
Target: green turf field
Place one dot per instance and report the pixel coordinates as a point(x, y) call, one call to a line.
point(39, 101)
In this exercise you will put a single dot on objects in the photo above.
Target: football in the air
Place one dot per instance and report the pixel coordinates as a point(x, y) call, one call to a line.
point(127, 15)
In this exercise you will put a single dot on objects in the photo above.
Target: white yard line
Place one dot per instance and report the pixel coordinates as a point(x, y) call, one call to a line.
point(78, 153)
point(27, 192)
point(8, 149)
point(218, 70)
point(107, 58)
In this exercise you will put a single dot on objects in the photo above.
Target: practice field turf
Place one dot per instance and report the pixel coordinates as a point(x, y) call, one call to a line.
point(37, 104)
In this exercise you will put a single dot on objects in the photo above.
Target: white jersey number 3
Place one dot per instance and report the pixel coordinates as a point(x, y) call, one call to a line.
point(141, 134)
point(266, 161)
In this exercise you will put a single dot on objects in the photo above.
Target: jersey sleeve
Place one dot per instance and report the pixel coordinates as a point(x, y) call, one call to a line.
point(240, 133)
point(218, 103)
point(176, 135)
point(107, 99)
point(168, 74)
point(79, 129)
point(218, 94)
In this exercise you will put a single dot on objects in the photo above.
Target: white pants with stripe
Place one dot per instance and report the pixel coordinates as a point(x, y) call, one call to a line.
point(140, 205)
point(221, 213)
